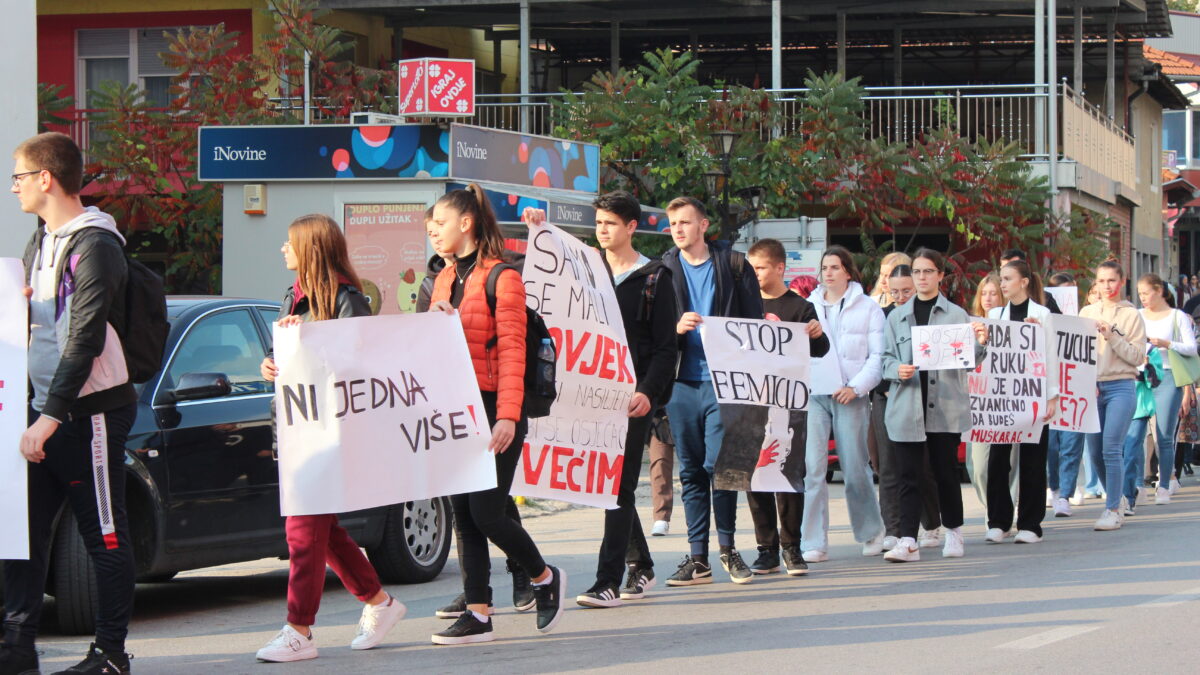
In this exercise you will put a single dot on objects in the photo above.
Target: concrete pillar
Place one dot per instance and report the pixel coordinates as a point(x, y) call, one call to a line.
point(897, 57)
point(18, 118)
point(1052, 116)
point(1110, 69)
point(526, 70)
point(614, 46)
point(776, 44)
point(841, 43)
point(1077, 52)
point(1039, 76)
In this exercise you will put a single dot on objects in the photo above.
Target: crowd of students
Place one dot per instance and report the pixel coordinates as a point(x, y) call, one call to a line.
point(887, 417)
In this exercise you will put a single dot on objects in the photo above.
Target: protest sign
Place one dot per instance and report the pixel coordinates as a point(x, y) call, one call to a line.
point(948, 347)
point(760, 374)
point(1008, 389)
point(1066, 297)
point(14, 343)
point(575, 453)
point(363, 424)
point(1073, 343)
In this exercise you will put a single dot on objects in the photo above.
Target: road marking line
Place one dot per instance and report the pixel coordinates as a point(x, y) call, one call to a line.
point(1048, 637)
point(1173, 599)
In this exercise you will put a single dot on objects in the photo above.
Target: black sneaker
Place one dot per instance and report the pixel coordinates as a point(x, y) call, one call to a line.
point(18, 660)
point(456, 607)
point(549, 599)
point(600, 596)
point(793, 562)
point(523, 598)
point(767, 561)
point(732, 561)
point(691, 572)
point(467, 630)
point(100, 662)
point(637, 582)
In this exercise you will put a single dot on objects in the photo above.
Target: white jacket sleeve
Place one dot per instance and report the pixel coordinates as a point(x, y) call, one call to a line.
point(872, 371)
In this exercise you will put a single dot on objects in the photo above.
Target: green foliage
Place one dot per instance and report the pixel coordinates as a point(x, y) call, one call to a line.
point(50, 103)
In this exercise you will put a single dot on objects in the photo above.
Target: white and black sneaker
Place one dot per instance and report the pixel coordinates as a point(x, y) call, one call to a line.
point(600, 596)
point(523, 599)
point(767, 561)
point(637, 581)
point(549, 599)
point(691, 572)
point(739, 571)
point(467, 630)
point(794, 563)
point(459, 605)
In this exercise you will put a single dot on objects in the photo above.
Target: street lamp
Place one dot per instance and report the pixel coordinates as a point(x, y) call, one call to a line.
point(733, 216)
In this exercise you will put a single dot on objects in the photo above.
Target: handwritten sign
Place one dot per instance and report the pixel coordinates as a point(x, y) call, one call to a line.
point(14, 345)
point(943, 347)
point(1073, 343)
point(1066, 297)
point(1008, 389)
point(575, 453)
point(363, 424)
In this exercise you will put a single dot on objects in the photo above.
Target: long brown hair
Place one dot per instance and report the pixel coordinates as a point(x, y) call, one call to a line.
point(977, 305)
point(847, 261)
point(1034, 290)
point(322, 262)
point(474, 202)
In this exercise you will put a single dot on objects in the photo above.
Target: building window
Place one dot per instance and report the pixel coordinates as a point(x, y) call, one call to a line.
point(124, 56)
point(1175, 133)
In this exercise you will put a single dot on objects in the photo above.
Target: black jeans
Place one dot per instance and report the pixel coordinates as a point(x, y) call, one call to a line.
point(1031, 471)
point(483, 516)
point(624, 541)
point(942, 451)
point(889, 477)
point(767, 508)
point(93, 483)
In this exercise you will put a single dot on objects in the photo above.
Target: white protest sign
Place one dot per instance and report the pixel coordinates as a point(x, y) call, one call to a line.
point(14, 346)
point(1066, 297)
point(946, 347)
point(1008, 389)
point(1073, 342)
point(757, 362)
point(364, 424)
point(575, 453)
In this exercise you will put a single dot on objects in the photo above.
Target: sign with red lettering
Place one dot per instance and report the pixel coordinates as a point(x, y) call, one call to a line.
point(437, 87)
point(1073, 343)
point(14, 346)
point(1008, 388)
point(575, 454)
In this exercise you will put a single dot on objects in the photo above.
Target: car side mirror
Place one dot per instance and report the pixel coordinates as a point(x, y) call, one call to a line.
point(199, 386)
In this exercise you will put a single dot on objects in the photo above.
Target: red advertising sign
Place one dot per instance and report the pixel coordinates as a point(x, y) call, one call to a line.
point(437, 87)
point(387, 249)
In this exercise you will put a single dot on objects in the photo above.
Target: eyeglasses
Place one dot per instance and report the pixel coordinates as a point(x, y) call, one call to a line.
point(901, 294)
point(16, 177)
point(925, 272)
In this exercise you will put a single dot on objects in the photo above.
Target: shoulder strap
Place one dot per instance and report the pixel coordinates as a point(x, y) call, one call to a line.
point(489, 286)
point(648, 292)
point(737, 261)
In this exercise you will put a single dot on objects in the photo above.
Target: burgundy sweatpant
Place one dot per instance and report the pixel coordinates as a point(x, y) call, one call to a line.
point(314, 541)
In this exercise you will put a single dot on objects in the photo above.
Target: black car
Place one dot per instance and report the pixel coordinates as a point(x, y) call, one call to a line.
point(203, 486)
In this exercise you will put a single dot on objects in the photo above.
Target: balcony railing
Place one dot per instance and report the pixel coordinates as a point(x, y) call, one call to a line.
point(1092, 139)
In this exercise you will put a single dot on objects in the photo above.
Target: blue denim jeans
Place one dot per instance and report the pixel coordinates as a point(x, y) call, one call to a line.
point(849, 424)
point(695, 418)
point(1068, 445)
point(1135, 458)
point(1092, 484)
point(1116, 402)
point(1167, 400)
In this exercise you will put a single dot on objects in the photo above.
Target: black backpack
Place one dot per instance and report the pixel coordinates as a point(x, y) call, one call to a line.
point(144, 335)
point(540, 352)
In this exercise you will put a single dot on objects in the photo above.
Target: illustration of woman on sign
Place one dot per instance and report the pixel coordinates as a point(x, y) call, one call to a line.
point(774, 473)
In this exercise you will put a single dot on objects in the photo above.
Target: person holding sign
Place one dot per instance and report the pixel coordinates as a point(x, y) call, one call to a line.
point(987, 296)
point(1121, 352)
point(842, 381)
point(1066, 448)
point(1020, 287)
point(464, 227)
point(927, 412)
point(1170, 331)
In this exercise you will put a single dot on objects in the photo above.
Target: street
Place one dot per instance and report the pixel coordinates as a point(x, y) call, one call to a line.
point(1080, 601)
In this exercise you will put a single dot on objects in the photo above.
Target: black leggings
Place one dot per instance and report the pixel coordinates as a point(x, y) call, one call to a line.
point(1031, 470)
point(483, 516)
point(943, 458)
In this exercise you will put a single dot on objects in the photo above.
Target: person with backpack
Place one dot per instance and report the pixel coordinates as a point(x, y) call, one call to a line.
point(83, 404)
point(464, 229)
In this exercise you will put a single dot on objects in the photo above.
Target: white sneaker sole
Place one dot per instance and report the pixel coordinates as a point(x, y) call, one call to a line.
point(638, 596)
point(772, 570)
point(596, 603)
point(802, 571)
point(902, 560)
point(695, 581)
point(289, 657)
point(562, 594)
point(464, 640)
point(382, 630)
point(526, 608)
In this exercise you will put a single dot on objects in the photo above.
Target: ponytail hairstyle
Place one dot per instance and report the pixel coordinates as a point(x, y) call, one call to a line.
point(473, 202)
point(893, 260)
point(901, 271)
point(322, 262)
point(847, 260)
point(1112, 265)
point(1034, 290)
point(1154, 281)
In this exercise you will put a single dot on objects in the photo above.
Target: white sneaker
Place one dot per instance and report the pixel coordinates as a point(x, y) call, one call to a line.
point(1126, 509)
point(1078, 498)
point(889, 542)
point(1026, 537)
point(1162, 496)
point(954, 543)
point(873, 546)
point(1143, 496)
point(906, 550)
point(661, 528)
point(995, 535)
point(815, 556)
point(1174, 487)
point(375, 623)
point(930, 539)
point(1109, 520)
point(288, 645)
point(1062, 508)
point(1051, 495)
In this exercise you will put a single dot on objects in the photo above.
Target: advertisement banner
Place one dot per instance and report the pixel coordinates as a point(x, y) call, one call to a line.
point(522, 159)
point(387, 249)
point(575, 454)
point(363, 424)
point(437, 87)
point(1073, 343)
point(14, 346)
point(1008, 389)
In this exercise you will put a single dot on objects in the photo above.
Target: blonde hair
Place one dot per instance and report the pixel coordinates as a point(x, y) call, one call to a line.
point(893, 259)
point(977, 305)
point(322, 262)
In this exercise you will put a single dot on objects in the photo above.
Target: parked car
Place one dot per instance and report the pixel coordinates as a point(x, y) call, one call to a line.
point(202, 481)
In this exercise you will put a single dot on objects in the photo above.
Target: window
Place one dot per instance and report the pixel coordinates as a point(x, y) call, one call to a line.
point(1175, 132)
point(124, 56)
point(226, 343)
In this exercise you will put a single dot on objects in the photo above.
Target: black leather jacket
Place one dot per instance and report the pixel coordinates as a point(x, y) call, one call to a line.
point(350, 302)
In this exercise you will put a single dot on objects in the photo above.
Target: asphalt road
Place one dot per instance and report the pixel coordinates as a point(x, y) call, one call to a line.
point(1080, 601)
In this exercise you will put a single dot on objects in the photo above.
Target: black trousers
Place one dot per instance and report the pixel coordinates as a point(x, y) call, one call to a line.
point(889, 477)
point(768, 508)
point(942, 451)
point(484, 516)
point(624, 541)
point(85, 460)
point(1031, 475)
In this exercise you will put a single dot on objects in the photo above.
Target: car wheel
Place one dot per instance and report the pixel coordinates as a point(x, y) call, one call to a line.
point(415, 543)
point(75, 594)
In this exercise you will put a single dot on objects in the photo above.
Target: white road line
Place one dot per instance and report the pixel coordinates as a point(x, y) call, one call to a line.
point(1048, 637)
point(1173, 599)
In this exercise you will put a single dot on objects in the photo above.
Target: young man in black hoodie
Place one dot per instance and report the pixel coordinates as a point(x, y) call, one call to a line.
point(709, 279)
point(83, 404)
